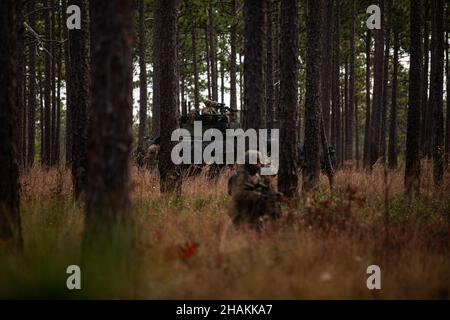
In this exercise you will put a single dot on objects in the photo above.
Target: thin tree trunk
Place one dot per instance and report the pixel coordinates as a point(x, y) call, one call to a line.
point(287, 175)
point(383, 128)
point(392, 152)
point(426, 115)
point(335, 86)
point(377, 103)
point(10, 226)
point(327, 56)
point(436, 88)
point(254, 90)
point(447, 131)
point(156, 108)
point(79, 57)
point(366, 156)
point(20, 82)
point(47, 92)
point(212, 52)
point(68, 71)
point(412, 161)
point(195, 69)
point(32, 88)
point(142, 77)
point(233, 44)
point(208, 62)
point(53, 62)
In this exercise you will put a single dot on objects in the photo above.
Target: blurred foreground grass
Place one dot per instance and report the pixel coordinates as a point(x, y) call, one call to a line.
point(185, 250)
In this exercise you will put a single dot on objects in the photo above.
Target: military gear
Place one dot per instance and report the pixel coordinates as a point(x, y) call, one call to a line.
point(152, 157)
point(253, 199)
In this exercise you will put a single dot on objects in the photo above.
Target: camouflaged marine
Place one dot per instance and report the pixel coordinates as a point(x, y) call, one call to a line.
point(254, 202)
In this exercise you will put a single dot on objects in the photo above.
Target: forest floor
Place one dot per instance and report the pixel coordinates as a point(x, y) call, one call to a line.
point(321, 250)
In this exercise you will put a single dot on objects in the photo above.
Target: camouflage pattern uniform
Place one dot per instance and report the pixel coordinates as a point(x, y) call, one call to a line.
point(210, 107)
point(192, 116)
point(151, 157)
point(253, 199)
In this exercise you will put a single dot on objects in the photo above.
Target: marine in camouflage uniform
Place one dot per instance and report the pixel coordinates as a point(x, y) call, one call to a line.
point(253, 199)
point(152, 157)
point(210, 107)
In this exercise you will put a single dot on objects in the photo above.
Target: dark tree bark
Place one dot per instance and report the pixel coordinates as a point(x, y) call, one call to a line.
point(255, 37)
point(233, 44)
point(21, 152)
point(366, 156)
point(170, 179)
point(69, 99)
point(212, 52)
point(276, 62)
point(447, 126)
point(327, 56)
point(269, 66)
point(392, 150)
point(426, 114)
point(377, 103)
point(156, 108)
point(311, 170)
point(47, 92)
point(436, 88)
point(287, 175)
point(384, 103)
point(336, 133)
point(53, 62)
point(351, 89)
point(41, 113)
point(348, 116)
point(31, 88)
point(357, 152)
point(412, 161)
point(79, 57)
point(142, 77)
point(208, 62)
point(195, 69)
point(108, 187)
point(58, 92)
point(10, 228)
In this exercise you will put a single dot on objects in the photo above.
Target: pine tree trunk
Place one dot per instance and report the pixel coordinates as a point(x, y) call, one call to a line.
point(195, 69)
point(170, 179)
point(412, 161)
point(377, 103)
point(233, 44)
point(32, 88)
point(53, 62)
point(68, 71)
point(269, 66)
point(335, 86)
point(366, 156)
point(58, 91)
point(47, 91)
point(436, 88)
point(287, 175)
point(142, 77)
point(447, 131)
point(19, 79)
point(327, 55)
point(392, 152)
point(109, 148)
point(212, 52)
point(383, 128)
point(79, 57)
point(10, 228)
point(426, 115)
point(156, 109)
point(254, 90)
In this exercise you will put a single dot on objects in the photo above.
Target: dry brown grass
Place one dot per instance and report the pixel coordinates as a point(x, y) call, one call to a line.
point(320, 250)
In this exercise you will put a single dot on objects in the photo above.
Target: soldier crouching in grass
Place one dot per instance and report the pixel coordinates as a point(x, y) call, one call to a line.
point(254, 202)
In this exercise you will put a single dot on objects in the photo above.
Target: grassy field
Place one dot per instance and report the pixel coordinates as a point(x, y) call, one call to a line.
point(187, 250)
